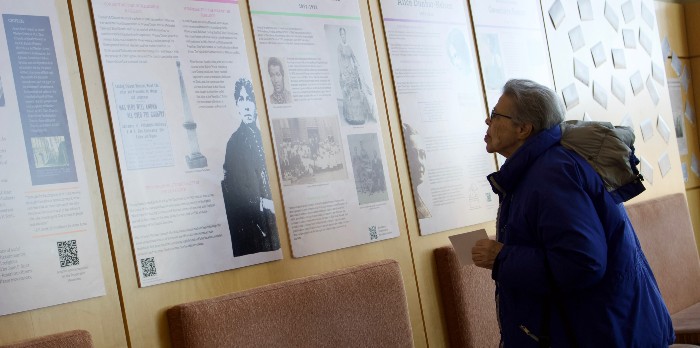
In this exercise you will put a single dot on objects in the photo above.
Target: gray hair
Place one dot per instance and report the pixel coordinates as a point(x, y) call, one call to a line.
point(535, 104)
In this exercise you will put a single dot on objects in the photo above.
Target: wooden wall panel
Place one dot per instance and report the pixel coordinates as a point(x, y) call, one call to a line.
point(144, 308)
point(670, 18)
point(692, 22)
point(101, 316)
point(693, 197)
point(692, 131)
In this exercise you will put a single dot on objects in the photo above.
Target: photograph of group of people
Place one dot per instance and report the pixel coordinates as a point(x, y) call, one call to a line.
point(309, 150)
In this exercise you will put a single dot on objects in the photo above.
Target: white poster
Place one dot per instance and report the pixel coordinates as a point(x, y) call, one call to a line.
point(442, 110)
point(676, 96)
point(325, 123)
point(512, 44)
point(48, 247)
point(184, 115)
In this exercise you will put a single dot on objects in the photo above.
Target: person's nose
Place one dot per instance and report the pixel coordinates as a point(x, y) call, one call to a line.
point(487, 121)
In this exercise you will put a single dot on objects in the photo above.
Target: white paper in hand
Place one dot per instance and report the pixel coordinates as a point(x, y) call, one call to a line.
point(463, 244)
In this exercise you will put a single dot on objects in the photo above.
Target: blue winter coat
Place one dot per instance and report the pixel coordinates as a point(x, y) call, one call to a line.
point(571, 252)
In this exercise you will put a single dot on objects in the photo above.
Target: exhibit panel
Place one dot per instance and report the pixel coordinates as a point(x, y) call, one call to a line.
point(321, 102)
point(512, 44)
point(55, 258)
point(608, 66)
point(442, 111)
point(186, 129)
point(48, 250)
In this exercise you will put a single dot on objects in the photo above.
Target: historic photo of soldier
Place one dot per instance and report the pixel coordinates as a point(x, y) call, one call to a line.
point(280, 94)
point(246, 187)
point(367, 168)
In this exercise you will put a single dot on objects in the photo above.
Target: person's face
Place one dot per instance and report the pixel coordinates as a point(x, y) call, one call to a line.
point(342, 35)
point(277, 78)
point(246, 107)
point(503, 135)
point(416, 156)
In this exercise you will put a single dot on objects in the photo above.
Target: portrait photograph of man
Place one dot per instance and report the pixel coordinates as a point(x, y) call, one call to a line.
point(280, 94)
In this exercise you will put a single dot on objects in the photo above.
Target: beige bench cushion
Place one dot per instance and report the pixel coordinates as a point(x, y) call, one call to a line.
point(362, 306)
point(467, 301)
point(68, 339)
point(666, 235)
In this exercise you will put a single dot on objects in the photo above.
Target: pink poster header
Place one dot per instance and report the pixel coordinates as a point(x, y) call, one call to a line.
point(221, 1)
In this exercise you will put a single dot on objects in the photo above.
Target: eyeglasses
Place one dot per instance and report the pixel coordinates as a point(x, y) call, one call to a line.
point(494, 114)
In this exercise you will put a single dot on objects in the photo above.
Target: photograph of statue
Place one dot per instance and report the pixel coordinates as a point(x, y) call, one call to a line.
point(309, 150)
point(415, 153)
point(246, 186)
point(367, 168)
point(351, 69)
point(280, 94)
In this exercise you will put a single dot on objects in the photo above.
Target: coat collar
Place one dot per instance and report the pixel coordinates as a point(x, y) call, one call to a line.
point(515, 167)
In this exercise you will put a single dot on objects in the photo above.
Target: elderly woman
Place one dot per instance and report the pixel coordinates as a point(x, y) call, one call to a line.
point(568, 267)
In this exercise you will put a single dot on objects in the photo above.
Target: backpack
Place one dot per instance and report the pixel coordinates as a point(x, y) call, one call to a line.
point(610, 151)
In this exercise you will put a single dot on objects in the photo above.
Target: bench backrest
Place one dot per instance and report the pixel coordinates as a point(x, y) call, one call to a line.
point(666, 235)
point(468, 301)
point(68, 339)
point(362, 306)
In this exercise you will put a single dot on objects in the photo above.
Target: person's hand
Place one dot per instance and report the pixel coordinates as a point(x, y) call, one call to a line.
point(485, 251)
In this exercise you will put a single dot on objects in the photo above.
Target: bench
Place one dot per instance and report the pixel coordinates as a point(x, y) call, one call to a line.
point(68, 339)
point(666, 235)
point(361, 306)
point(468, 302)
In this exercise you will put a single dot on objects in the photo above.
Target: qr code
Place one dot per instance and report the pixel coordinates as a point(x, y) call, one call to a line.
point(68, 253)
point(148, 267)
point(373, 233)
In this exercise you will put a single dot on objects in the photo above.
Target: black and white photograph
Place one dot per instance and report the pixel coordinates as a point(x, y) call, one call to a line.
point(350, 74)
point(416, 155)
point(491, 61)
point(246, 185)
point(278, 81)
point(309, 150)
point(458, 51)
point(2, 94)
point(50, 152)
point(367, 168)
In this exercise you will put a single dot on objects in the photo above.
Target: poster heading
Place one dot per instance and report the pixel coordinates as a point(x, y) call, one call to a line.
point(425, 4)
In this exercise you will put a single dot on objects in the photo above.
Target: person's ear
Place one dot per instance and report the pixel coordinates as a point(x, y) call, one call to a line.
point(525, 130)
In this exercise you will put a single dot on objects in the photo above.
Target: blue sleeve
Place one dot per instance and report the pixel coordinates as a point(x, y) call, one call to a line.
point(572, 248)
